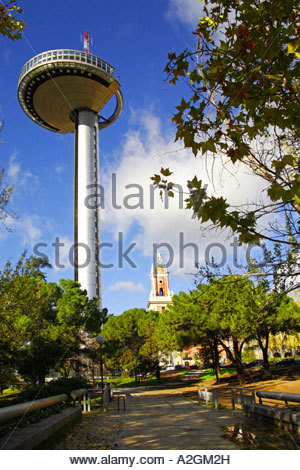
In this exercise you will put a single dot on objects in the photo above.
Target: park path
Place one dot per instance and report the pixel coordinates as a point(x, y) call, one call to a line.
point(166, 419)
point(156, 418)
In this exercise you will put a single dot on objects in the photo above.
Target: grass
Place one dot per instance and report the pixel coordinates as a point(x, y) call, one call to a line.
point(130, 381)
point(209, 374)
point(148, 381)
point(10, 391)
point(96, 401)
point(220, 407)
point(10, 397)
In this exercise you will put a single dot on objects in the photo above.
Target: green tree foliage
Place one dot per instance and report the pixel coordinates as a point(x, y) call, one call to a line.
point(234, 299)
point(244, 106)
point(14, 308)
point(188, 321)
point(212, 315)
point(95, 318)
point(10, 25)
point(230, 299)
point(130, 341)
point(5, 195)
point(273, 313)
point(93, 324)
point(55, 326)
point(226, 314)
point(40, 322)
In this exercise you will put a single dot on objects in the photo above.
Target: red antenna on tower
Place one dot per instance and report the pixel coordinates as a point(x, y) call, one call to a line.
point(86, 41)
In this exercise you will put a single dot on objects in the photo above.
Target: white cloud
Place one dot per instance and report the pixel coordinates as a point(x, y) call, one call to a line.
point(128, 286)
point(7, 56)
point(143, 153)
point(186, 11)
point(28, 229)
point(20, 178)
point(59, 169)
point(14, 167)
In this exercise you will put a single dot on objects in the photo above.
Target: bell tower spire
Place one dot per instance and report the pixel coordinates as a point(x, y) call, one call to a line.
point(160, 295)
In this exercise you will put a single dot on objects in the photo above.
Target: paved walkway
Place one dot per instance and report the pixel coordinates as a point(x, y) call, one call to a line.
point(165, 419)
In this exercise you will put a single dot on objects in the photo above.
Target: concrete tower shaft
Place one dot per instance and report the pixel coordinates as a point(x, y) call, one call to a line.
point(87, 227)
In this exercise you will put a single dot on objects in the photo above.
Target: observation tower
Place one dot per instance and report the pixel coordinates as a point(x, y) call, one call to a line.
point(64, 91)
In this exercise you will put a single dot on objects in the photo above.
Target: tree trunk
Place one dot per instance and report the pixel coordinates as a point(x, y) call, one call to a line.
point(240, 373)
point(266, 361)
point(235, 357)
point(264, 350)
point(238, 361)
point(282, 343)
point(215, 358)
point(157, 374)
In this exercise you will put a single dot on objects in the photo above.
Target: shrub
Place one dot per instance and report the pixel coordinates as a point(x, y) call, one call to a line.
point(56, 387)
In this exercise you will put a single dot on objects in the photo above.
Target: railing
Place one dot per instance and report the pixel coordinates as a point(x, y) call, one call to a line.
point(160, 297)
point(208, 394)
point(283, 416)
point(76, 394)
point(106, 396)
point(244, 396)
point(238, 395)
point(13, 411)
point(280, 396)
point(59, 55)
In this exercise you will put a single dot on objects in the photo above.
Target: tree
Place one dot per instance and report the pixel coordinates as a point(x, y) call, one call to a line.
point(228, 313)
point(12, 28)
point(130, 342)
point(93, 324)
point(10, 25)
point(188, 321)
point(40, 321)
point(14, 307)
point(57, 317)
point(14, 310)
point(244, 106)
point(213, 315)
point(273, 313)
point(95, 318)
point(230, 298)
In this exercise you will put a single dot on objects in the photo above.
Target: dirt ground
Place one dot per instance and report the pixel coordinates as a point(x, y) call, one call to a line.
point(287, 381)
point(99, 430)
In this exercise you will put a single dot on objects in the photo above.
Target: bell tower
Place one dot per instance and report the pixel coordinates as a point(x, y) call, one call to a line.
point(160, 295)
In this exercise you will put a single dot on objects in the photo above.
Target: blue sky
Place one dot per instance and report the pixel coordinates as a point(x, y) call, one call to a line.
point(135, 37)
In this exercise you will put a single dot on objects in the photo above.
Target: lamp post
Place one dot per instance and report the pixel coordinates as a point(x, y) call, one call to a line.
point(101, 340)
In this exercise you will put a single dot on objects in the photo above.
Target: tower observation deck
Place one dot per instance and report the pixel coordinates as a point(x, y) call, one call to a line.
point(64, 91)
